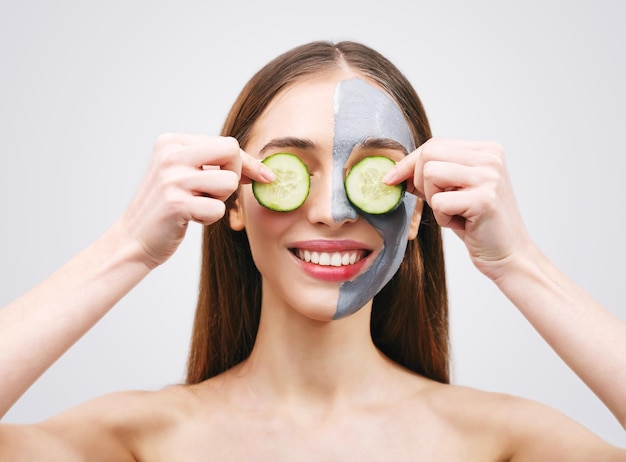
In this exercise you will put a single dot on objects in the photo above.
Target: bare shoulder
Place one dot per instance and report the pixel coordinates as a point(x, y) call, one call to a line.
point(113, 427)
point(522, 429)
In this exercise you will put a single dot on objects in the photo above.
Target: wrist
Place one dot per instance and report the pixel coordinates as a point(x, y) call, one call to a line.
point(524, 259)
point(123, 243)
point(527, 268)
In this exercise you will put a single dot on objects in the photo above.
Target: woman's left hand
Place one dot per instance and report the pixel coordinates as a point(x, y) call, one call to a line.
point(467, 185)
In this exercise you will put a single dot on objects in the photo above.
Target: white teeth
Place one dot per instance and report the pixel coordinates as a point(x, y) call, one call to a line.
point(329, 259)
point(324, 259)
point(345, 259)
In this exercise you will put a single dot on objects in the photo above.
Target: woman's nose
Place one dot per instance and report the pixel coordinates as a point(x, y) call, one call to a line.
point(328, 202)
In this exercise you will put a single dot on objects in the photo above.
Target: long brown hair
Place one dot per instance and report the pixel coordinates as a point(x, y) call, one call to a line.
point(409, 320)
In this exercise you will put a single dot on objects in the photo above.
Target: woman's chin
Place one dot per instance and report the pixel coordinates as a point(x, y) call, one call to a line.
point(321, 313)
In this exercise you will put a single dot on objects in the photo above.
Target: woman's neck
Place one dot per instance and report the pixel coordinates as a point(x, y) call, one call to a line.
point(322, 364)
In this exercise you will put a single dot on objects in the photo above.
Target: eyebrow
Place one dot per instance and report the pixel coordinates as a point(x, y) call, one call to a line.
point(382, 143)
point(288, 142)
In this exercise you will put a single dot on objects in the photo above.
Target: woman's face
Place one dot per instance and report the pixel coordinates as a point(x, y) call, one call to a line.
point(326, 259)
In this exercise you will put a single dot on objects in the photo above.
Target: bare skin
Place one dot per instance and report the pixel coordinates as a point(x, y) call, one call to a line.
point(313, 388)
point(398, 416)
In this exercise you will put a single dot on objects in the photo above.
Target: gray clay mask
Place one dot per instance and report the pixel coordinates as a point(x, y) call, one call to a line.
point(362, 111)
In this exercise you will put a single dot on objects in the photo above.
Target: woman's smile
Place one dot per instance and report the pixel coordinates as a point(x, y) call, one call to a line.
point(331, 260)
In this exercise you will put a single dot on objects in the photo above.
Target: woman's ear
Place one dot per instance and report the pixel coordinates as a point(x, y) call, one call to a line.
point(416, 219)
point(236, 218)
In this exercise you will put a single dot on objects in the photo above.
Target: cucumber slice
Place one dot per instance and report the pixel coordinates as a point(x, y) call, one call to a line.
point(290, 188)
point(367, 192)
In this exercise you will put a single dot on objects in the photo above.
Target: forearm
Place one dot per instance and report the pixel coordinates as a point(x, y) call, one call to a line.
point(37, 328)
point(588, 337)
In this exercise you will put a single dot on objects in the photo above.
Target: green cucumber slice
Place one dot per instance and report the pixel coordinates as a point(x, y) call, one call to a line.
point(367, 192)
point(290, 188)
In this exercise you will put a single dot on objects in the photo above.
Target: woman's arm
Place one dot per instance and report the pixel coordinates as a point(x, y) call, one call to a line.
point(588, 337)
point(113, 427)
point(37, 328)
point(189, 178)
point(467, 185)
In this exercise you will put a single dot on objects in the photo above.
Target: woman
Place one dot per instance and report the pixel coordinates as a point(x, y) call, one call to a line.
point(418, 296)
point(283, 364)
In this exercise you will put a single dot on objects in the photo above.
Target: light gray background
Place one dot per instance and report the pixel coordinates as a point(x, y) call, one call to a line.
point(86, 87)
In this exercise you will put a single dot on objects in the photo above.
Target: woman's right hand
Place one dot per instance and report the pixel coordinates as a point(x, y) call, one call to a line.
point(189, 178)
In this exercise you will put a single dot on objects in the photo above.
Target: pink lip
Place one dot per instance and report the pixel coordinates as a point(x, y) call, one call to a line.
point(332, 273)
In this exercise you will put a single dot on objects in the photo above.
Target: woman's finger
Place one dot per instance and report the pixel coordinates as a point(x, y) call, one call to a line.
point(404, 169)
point(200, 151)
point(470, 153)
point(216, 183)
point(466, 204)
point(445, 176)
point(205, 210)
point(252, 169)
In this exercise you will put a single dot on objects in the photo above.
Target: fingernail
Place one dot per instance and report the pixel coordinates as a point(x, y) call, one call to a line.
point(389, 177)
point(267, 174)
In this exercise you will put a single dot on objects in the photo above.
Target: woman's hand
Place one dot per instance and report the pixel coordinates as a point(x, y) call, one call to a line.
point(467, 186)
point(189, 178)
